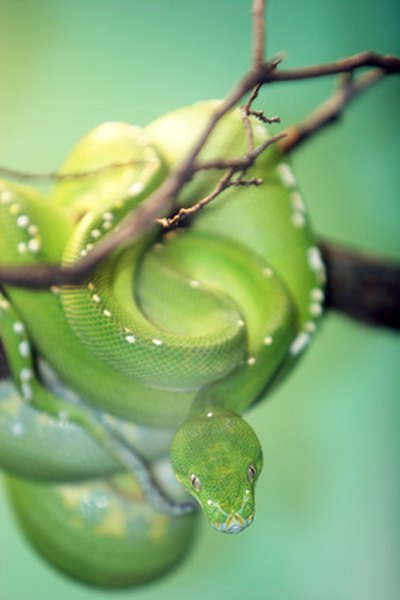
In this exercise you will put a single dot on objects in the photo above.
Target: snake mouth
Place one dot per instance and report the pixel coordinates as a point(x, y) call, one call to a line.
point(234, 523)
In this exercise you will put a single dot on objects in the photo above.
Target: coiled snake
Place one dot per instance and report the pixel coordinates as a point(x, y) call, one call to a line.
point(155, 358)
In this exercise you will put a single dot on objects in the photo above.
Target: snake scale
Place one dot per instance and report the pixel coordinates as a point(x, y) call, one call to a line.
point(123, 415)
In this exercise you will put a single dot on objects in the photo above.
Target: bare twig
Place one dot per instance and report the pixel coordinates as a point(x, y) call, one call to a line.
point(258, 12)
point(248, 111)
point(239, 163)
point(224, 183)
point(331, 110)
point(233, 165)
point(389, 64)
point(58, 176)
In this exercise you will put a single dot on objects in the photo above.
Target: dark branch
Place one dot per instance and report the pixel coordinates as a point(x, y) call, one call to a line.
point(362, 286)
point(389, 64)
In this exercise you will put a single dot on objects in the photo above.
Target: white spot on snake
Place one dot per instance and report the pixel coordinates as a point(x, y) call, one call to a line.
point(106, 313)
point(209, 502)
point(315, 309)
point(90, 286)
point(209, 414)
point(251, 361)
point(317, 294)
point(95, 233)
point(4, 304)
point(136, 188)
point(23, 221)
point(315, 259)
point(18, 327)
point(130, 339)
point(194, 283)
point(297, 202)
point(55, 289)
point(89, 247)
point(83, 252)
point(6, 197)
point(310, 326)
point(22, 247)
point(25, 374)
point(96, 298)
point(23, 348)
point(108, 216)
point(299, 343)
point(267, 272)
point(33, 229)
point(298, 219)
point(34, 245)
point(107, 225)
point(286, 175)
point(240, 322)
point(267, 341)
point(157, 342)
point(17, 429)
point(14, 209)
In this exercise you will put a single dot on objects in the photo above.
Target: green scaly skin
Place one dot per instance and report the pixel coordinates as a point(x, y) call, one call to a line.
point(178, 334)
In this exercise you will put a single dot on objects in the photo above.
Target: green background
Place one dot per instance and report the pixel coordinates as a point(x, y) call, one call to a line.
point(327, 525)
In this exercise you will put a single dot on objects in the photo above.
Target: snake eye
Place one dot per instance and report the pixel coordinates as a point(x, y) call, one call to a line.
point(195, 481)
point(251, 472)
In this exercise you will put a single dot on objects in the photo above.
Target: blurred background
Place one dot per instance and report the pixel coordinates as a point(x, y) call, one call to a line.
point(327, 525)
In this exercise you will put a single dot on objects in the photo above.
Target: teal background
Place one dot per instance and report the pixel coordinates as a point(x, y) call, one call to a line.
point(327, 525)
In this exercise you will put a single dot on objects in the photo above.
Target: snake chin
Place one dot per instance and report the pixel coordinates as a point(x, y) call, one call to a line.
point(234, 523)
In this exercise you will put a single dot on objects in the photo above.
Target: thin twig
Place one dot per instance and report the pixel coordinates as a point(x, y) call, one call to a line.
point(239, 163)
point(231, 165)
point(258, 12)
point(223, 184)
point(58, 176)
point(247, 111)
point(330, 111)
point(389, 64)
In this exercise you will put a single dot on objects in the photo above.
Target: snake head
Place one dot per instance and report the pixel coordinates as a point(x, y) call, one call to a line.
point(217, 457)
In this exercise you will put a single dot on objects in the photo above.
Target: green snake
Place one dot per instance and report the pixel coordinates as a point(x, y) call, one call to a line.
point(152, 361)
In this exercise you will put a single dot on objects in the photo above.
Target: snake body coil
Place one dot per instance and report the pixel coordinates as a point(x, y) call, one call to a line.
point(154, 358)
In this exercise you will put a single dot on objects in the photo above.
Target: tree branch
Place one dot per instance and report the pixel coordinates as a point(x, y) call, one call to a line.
point(389, 64)
point(362, 286)
point(258, 12)
point(330, 110)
